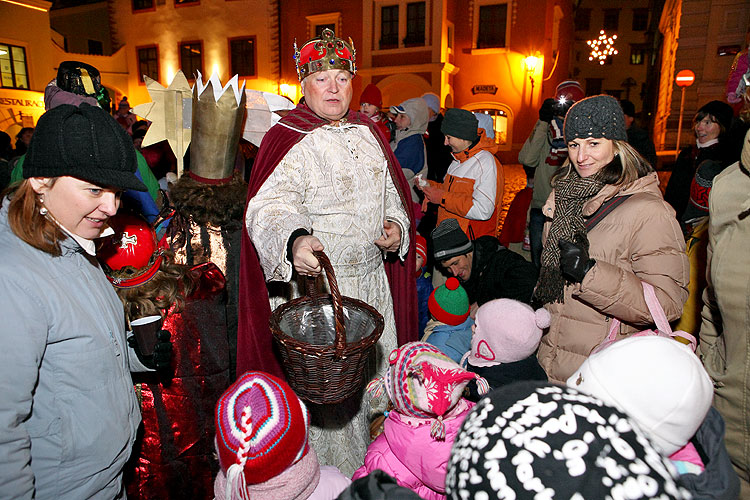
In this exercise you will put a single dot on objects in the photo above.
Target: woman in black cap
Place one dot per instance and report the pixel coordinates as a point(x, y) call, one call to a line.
point(711, 124)
point(68, 414)
point(608, 230)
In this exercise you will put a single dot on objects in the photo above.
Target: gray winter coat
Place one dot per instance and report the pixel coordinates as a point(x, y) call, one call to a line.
point(68, 412)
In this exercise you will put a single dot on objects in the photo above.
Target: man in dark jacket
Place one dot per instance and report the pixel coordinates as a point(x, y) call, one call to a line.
point(487, 270)
point(638, 137)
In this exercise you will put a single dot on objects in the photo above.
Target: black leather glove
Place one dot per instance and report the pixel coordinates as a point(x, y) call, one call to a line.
point(545, 112)
point(574, 261)
point(161, 359)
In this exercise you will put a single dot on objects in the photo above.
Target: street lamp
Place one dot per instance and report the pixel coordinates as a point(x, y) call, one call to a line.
point(530, 63)
point(684, 79)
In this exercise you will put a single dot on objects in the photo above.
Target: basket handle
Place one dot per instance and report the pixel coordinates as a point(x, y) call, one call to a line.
point(338, 306)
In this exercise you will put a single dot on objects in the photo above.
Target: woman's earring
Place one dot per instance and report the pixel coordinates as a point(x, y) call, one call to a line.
point(42, 210)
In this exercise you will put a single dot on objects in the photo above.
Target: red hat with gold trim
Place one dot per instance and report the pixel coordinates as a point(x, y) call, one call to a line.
point(323, 53)
point(132, 255)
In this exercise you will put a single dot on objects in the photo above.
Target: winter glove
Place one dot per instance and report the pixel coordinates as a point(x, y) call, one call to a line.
point(574, 261)
point(161, 359)
point(545, 112)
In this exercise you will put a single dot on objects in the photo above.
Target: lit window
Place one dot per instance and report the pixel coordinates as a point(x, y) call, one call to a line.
point(13, 72)
point(492, 26)
point(191, 59)
point(500, 123)
point(148, 62)
point(415, 24)
point(243, 56)
point(637, 54)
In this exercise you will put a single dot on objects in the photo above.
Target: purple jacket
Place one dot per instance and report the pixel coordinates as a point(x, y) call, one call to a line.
point(406, 451)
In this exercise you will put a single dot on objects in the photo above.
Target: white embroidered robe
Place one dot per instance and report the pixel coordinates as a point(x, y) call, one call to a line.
point(334, 183)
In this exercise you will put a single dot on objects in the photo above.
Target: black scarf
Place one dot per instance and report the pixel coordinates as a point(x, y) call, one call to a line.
point(571, 193)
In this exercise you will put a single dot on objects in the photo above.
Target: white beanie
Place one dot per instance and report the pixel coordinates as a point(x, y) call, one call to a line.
point(659, 382)
point(506, 331)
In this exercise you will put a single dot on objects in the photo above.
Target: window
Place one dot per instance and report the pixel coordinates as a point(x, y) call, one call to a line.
point(242, 53)
point(389, 27)
point(13, 71)
point(582, 19)
point(637, 54)
point(191, 59)
point(492, 26)
point(640, 19)
point(320, 27)
point(415, 24)
point(143, 4)
point(318, 22)
point(148, 62)
point(501, 120)
point(611, 19)
point(96, 48)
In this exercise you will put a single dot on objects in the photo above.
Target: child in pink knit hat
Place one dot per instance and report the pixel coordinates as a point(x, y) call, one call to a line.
point(261, 440)
point(504, 341)
point(425, 388)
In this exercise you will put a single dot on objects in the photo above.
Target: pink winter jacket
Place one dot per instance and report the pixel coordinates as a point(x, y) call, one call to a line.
point(406, 451)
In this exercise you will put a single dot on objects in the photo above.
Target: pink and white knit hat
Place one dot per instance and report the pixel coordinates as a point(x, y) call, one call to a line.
point(261, 430)
point(423, 382)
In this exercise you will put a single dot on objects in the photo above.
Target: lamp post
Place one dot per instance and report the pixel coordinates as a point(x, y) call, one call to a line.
point(530, 63)
point(684, 79)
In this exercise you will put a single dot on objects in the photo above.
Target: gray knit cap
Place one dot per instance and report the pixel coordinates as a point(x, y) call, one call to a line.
point(449, 240)
point(596, 117)
point(460, 123)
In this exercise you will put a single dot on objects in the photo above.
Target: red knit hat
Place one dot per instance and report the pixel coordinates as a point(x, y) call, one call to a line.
point(371, 95)
point(261, 429)
point(422, 247)
point(449, 303)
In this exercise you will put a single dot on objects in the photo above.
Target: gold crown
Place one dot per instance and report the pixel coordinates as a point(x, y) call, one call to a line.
point(323, 53)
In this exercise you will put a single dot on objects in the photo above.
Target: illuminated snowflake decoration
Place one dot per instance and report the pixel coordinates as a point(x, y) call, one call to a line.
point(602, 47)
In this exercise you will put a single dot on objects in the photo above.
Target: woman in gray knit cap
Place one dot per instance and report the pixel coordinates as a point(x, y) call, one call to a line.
point(608, 230)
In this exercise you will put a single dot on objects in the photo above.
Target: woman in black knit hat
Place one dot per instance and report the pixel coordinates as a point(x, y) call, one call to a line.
point(608, 230)
point(710, 125)
point(68, 412)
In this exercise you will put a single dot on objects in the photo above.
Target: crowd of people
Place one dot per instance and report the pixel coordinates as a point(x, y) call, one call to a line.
point(137, 359)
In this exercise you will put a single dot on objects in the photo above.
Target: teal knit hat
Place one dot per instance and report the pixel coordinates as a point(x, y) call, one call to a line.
point(449, 303)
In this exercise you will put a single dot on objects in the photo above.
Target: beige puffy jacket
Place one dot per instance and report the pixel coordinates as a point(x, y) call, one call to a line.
point(638, 240)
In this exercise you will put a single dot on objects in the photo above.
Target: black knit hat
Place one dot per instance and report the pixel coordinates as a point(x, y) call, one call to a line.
point(449, 240)
point(536, 439)
point(460, 123)
point(83, 142)
point(719, 110)
point(598, 116)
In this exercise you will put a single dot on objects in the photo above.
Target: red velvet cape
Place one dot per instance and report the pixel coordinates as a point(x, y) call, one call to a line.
point(255, 349)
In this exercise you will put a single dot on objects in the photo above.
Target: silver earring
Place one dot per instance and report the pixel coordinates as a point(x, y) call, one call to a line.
point(43, 211)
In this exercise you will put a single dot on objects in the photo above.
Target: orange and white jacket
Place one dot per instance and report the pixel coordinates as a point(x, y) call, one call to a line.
point(473, 189)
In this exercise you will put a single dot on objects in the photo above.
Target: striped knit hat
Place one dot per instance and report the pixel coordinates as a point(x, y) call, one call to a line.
point(449, 303)
point(423, 382)
point(261, 429)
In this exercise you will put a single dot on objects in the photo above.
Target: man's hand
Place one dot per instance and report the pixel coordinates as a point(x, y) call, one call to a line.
point(432, 194)
point(391, 239)
point(304, 261)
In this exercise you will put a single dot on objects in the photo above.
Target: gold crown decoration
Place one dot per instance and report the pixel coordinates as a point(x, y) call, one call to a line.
point(216, 127)
point(323, 53)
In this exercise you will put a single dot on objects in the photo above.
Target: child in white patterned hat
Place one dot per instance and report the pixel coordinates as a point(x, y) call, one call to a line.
point(425, 387)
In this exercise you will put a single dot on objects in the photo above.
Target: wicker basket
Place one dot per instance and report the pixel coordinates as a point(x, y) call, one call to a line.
point(325, 341)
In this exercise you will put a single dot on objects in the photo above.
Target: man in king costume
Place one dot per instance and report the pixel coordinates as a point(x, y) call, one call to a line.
point(326, 179)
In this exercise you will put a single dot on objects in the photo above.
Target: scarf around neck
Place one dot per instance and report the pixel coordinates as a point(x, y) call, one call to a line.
point(571, 193)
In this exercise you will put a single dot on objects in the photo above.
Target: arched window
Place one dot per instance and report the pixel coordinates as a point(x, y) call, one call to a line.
point(502, 118)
